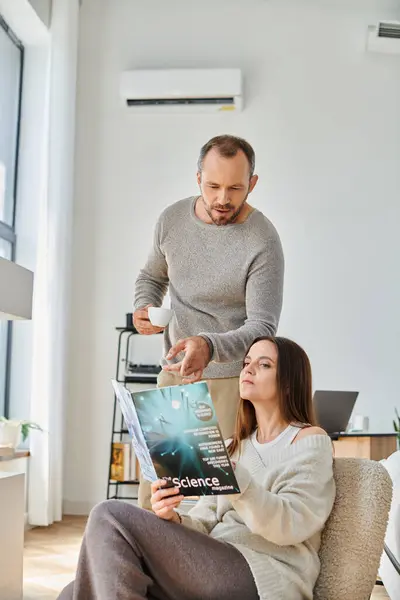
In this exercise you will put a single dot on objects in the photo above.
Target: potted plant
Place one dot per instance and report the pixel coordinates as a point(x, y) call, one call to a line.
point(396, 426)
point(11, 432)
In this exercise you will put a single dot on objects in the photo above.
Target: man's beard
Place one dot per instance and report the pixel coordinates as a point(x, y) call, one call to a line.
point(225, 221)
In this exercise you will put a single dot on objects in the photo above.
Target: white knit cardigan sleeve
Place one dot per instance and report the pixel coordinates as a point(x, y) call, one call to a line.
point(286, 501)
point(294, 500)
point(203, 516)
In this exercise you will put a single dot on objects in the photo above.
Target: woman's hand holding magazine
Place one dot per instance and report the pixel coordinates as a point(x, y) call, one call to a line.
point(164, 501)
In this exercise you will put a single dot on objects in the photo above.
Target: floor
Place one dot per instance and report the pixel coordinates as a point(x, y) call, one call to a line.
point(51, 554)
point(50, 558)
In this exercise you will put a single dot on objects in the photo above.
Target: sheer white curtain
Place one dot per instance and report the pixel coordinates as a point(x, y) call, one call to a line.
point(52, 274)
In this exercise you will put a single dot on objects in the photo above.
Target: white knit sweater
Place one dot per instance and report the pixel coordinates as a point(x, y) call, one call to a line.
point(277, 519)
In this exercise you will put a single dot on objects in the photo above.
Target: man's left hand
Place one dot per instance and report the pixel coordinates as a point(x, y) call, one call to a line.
point(197, 356)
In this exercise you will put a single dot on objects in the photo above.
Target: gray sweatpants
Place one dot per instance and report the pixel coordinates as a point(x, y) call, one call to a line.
point(129, 553)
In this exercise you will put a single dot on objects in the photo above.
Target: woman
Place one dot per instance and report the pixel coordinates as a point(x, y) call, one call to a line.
point(260, 544)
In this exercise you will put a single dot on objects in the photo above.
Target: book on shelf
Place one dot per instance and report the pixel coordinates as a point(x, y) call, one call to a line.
point(176, 436)
point(124, 464)
point(120, 461)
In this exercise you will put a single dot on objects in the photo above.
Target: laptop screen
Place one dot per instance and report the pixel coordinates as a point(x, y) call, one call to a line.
point(333, 409)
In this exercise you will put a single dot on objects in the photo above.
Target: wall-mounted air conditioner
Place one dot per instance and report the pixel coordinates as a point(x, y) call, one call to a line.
point(384, 37)
point(182, 90)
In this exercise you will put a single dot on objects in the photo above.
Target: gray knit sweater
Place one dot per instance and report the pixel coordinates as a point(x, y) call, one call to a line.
point(225, 282)
point(277, 520)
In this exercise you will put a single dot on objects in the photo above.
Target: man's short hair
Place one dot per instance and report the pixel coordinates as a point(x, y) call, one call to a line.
point(228, 146)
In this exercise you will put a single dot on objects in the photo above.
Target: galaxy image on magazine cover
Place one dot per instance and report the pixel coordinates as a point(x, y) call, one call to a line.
point(183, 436)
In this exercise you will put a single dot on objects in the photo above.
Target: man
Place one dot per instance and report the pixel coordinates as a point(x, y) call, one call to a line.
point(223, 263)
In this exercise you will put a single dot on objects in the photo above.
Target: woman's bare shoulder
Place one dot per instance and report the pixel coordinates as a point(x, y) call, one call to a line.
point(307, 431)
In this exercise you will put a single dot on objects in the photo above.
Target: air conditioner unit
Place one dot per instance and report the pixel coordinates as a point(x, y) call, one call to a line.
point(384, 37)
point(182, 90)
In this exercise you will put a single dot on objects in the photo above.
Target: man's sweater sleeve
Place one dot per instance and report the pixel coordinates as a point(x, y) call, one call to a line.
point(152, 282)
point(264, 293)
point(296, 507)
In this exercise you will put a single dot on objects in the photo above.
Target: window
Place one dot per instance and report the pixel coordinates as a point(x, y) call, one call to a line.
point(11, 65)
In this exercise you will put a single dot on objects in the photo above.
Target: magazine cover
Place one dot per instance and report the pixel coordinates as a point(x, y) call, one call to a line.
point(179, 439)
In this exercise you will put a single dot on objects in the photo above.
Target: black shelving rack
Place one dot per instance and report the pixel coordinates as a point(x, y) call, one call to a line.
point(118, 432)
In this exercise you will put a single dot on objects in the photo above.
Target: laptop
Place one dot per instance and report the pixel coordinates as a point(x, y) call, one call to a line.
point(333, 410)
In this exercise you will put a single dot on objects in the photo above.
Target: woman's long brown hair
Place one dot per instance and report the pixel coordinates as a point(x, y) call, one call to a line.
point(294, 383)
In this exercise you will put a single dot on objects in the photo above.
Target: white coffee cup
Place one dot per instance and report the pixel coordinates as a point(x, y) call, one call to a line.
point(160, 317)
point(360, 423)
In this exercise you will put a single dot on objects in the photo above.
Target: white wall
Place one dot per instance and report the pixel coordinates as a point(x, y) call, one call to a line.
point(324, 118)
point(29, 19)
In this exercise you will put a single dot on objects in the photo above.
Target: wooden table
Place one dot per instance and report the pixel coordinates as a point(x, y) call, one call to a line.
point(374, 446)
